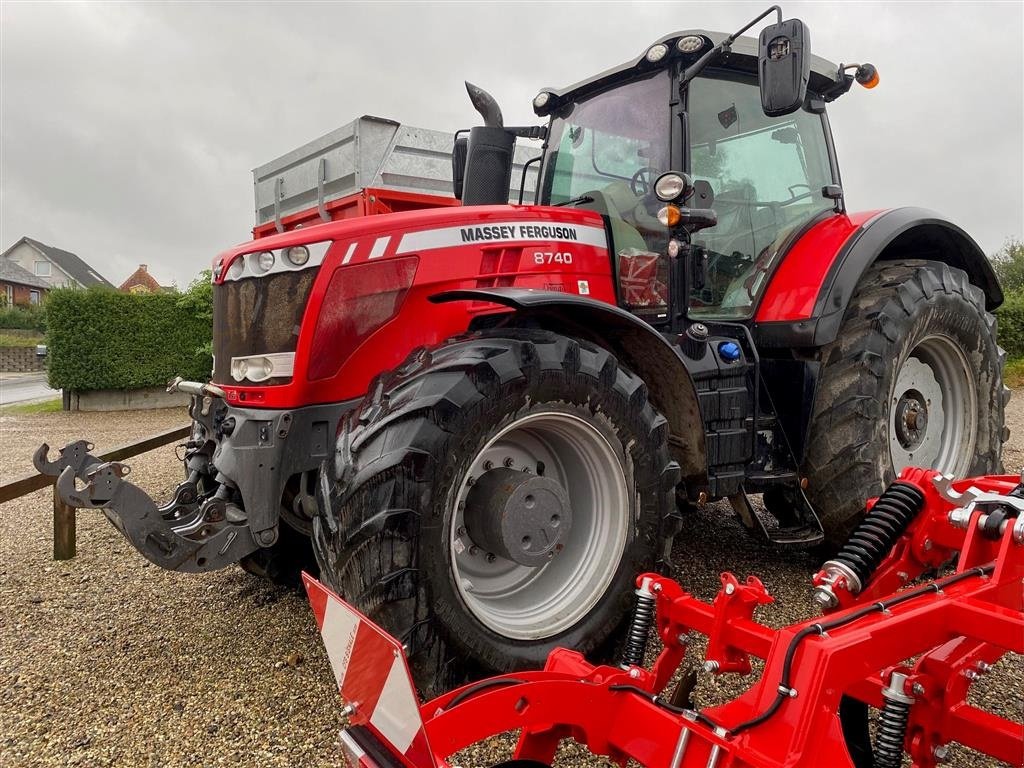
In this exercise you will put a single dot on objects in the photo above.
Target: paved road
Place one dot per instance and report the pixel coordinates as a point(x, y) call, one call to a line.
point(20, 387)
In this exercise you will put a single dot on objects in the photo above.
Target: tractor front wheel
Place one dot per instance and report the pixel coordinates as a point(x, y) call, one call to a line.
point(914, 378)
point(495, 498)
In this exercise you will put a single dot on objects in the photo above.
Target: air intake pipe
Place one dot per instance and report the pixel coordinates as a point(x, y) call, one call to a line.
point(488, 171)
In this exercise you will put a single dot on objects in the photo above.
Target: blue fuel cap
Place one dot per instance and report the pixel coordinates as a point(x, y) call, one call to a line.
point(729, 351)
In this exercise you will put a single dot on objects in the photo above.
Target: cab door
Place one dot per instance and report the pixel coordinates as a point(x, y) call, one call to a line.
point(763, 176)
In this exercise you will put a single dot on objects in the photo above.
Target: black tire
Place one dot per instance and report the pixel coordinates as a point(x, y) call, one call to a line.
point(896, 308)
point(382, 535)
point(284, 561)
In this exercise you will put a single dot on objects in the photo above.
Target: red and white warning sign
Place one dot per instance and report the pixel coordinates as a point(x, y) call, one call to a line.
point(372, 673)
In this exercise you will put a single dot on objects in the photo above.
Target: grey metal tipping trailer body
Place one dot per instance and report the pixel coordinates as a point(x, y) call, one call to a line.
point(368, 152)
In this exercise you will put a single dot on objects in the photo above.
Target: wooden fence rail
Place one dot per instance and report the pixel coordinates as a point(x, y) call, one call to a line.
point(63, 515)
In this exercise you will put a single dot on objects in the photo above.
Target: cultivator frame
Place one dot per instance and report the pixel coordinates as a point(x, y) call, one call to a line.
point(809, 707)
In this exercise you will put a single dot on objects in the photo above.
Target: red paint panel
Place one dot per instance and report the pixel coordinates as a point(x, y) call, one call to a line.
point(365, 202)
point(378, 240)
point(793, 290)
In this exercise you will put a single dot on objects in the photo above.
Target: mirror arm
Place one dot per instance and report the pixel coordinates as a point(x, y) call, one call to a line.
point(778, 20)
point(723, 47)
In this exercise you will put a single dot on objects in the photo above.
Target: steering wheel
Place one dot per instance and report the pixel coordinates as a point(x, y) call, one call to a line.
point(642, 181)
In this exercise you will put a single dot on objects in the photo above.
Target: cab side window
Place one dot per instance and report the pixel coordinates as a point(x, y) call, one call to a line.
point(763, 176)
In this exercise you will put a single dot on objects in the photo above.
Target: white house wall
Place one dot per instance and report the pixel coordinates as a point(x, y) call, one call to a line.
point(26, 256)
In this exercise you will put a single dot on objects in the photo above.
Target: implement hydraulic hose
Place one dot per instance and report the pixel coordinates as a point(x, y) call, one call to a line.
point(785, 691)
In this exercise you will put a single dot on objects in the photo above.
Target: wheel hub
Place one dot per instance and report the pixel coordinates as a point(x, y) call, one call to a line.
point(911, 419)
point(521, 517)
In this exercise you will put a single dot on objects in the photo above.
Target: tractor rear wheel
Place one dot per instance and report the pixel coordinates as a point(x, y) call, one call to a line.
point(914, 378)
point(495, 498)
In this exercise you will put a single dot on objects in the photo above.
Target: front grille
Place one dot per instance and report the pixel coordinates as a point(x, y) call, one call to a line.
point(258, 316)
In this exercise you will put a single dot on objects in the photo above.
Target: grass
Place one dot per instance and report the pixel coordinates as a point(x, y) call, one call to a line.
point(1013, 373)
point(12, 340)
point(29, 409)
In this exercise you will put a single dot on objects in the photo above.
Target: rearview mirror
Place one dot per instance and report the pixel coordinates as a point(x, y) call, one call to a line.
point(784, 67)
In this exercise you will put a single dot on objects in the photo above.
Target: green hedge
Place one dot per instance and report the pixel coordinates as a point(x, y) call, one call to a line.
point(103, 339)
point(31, 318)
point(1011, 323)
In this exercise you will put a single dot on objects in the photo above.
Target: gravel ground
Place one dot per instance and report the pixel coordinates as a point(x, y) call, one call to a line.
point(106, 661)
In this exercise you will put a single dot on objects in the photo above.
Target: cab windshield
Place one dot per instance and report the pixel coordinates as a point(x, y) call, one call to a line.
point(605, 153)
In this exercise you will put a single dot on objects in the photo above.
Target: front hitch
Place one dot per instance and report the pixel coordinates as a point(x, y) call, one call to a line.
point(74, 455)
point(185, 534)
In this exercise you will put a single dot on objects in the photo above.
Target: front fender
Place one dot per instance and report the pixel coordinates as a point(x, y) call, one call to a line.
point(637, 344)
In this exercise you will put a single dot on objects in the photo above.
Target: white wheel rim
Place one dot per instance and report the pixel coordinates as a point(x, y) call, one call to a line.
point(526, 603)
point(936, 380)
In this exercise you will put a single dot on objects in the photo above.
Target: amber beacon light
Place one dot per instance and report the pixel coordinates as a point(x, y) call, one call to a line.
point(867, 75)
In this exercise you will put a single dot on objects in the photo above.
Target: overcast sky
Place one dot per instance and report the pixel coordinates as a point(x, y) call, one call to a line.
point(129, 131)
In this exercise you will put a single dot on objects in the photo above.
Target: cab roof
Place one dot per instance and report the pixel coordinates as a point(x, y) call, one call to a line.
point(742, 58)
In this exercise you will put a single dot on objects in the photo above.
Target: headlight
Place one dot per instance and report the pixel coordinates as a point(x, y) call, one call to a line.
point(670, 186)
point(656, 53)
point(261, 262)
point(541, 99)
point(259, 368)
point(236, 269)
point(251, 368)
point(297, 255)
point(690, 44)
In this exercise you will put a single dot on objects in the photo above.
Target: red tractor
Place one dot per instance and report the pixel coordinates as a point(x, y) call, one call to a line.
point(487, 416)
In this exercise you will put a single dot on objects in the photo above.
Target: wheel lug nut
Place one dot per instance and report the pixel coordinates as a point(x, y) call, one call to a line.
point(488, 465)
point(508, 462)
point(474, 550)
point(491, 557)
point(461, 530)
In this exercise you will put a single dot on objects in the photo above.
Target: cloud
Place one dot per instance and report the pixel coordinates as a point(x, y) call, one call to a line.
point(129, 131)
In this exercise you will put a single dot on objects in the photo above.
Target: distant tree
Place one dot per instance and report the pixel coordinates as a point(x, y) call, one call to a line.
point(1008, 263)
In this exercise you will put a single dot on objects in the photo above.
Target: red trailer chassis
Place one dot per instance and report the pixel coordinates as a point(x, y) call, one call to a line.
point(911, 653)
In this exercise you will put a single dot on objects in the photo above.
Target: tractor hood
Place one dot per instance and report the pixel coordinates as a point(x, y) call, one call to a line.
point(414, 231)
point(312, 315)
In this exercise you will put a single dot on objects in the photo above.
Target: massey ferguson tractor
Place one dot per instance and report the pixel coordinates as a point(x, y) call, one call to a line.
point(487, 417)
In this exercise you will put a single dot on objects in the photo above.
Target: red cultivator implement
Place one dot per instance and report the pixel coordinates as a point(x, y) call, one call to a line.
point(820, 676)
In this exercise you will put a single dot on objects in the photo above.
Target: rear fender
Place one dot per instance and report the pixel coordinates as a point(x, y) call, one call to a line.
point(639, 346)
point(893, 235)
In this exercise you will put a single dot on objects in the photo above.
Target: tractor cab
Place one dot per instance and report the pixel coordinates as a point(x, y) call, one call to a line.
point(763, 176)
point(746, 159)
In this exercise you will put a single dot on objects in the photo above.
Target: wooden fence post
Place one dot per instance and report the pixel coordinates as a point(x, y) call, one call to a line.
point(63, 528)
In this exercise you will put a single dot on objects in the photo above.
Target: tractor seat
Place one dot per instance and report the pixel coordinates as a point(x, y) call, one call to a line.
point(626, 213)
